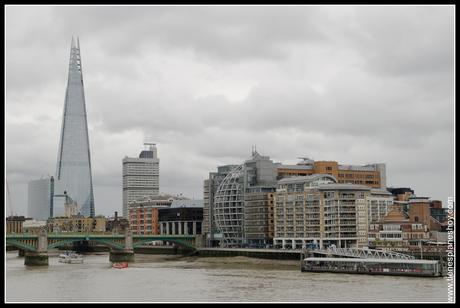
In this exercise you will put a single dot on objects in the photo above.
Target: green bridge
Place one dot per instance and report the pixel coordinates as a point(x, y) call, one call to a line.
point(36, 246)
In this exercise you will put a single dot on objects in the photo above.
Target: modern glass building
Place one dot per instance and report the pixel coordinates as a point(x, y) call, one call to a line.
point(211, 184)
point(241, 203)
point(73, 170)
point(229, 208)
point(40, 198)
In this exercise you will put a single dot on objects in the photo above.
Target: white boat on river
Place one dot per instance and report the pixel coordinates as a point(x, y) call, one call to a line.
point(70, 257)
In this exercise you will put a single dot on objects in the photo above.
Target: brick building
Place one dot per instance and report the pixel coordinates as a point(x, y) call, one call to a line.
point(372, 175)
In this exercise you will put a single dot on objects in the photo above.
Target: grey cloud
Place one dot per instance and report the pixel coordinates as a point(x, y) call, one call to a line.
point(407, 40)
point(226, 33)
point(353, 84)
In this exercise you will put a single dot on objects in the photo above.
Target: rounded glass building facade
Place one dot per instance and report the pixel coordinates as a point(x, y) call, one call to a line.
point(229, 208)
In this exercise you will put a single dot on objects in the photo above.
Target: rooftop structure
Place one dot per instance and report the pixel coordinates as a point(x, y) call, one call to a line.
point(372, 175)
point(187, 203)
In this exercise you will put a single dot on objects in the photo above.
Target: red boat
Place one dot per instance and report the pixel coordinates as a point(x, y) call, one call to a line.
point(120, 265)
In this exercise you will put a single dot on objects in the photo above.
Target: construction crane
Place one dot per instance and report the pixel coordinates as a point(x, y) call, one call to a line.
point(9, 197)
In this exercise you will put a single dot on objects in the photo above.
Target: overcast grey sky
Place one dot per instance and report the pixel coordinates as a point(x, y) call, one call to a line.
point(354, 84)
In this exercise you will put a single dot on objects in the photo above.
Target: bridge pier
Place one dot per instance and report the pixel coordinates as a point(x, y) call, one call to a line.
point(121, 256)
point(39, 257)
point(199, 241)
point(33, 258)
point(125, 255)
point(21, 253)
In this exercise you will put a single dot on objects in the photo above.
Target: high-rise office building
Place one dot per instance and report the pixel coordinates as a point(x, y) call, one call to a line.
point(40, 198)
point(260, 181)
point(73, 170)
point(141, 176)
point(242, 205)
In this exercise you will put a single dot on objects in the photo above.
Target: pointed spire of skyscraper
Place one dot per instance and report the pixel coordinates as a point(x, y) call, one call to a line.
point(75, 60)
point(73, 171)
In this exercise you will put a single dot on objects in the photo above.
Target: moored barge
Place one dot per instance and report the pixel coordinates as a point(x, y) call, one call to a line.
point(374, 266)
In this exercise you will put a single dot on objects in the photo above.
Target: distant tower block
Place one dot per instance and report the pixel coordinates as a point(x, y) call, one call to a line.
point(73, 170)
point(141, 176)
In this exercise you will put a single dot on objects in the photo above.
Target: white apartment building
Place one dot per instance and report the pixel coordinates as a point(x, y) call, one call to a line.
point(141, 176)
point(379, 203)
point(316, 209)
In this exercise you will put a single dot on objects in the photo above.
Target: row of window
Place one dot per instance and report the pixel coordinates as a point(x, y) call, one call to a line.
point(358, 176)
point(147, 181)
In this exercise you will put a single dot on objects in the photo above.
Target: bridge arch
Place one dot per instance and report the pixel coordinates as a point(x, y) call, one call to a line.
point(106, 242)
point(30, 243)
point(21, 245)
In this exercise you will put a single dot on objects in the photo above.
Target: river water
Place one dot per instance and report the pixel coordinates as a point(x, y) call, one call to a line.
point(162, 278)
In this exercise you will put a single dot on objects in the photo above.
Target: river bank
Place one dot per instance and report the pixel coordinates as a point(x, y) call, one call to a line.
point(237, 262)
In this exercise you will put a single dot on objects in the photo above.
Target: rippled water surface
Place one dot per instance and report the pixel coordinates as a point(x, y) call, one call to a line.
point(155, 278)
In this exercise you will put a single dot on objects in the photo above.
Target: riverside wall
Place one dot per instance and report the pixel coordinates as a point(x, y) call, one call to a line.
point(253, 253)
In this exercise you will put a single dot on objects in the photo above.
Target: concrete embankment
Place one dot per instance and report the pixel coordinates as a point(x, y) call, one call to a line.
point(253, 253)
point(156, 250)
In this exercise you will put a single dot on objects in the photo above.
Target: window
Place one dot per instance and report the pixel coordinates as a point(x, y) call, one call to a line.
point(329, 195)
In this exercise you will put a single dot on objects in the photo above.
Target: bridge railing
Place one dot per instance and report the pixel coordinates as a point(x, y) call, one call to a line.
point(101, 233)
point(367, 253)
point(52, 240)
point(63, 234)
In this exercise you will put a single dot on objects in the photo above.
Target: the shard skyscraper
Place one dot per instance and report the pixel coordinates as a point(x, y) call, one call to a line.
point(73, 172)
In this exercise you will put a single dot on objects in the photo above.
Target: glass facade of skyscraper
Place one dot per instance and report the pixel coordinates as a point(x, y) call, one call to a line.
point(73, 171)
